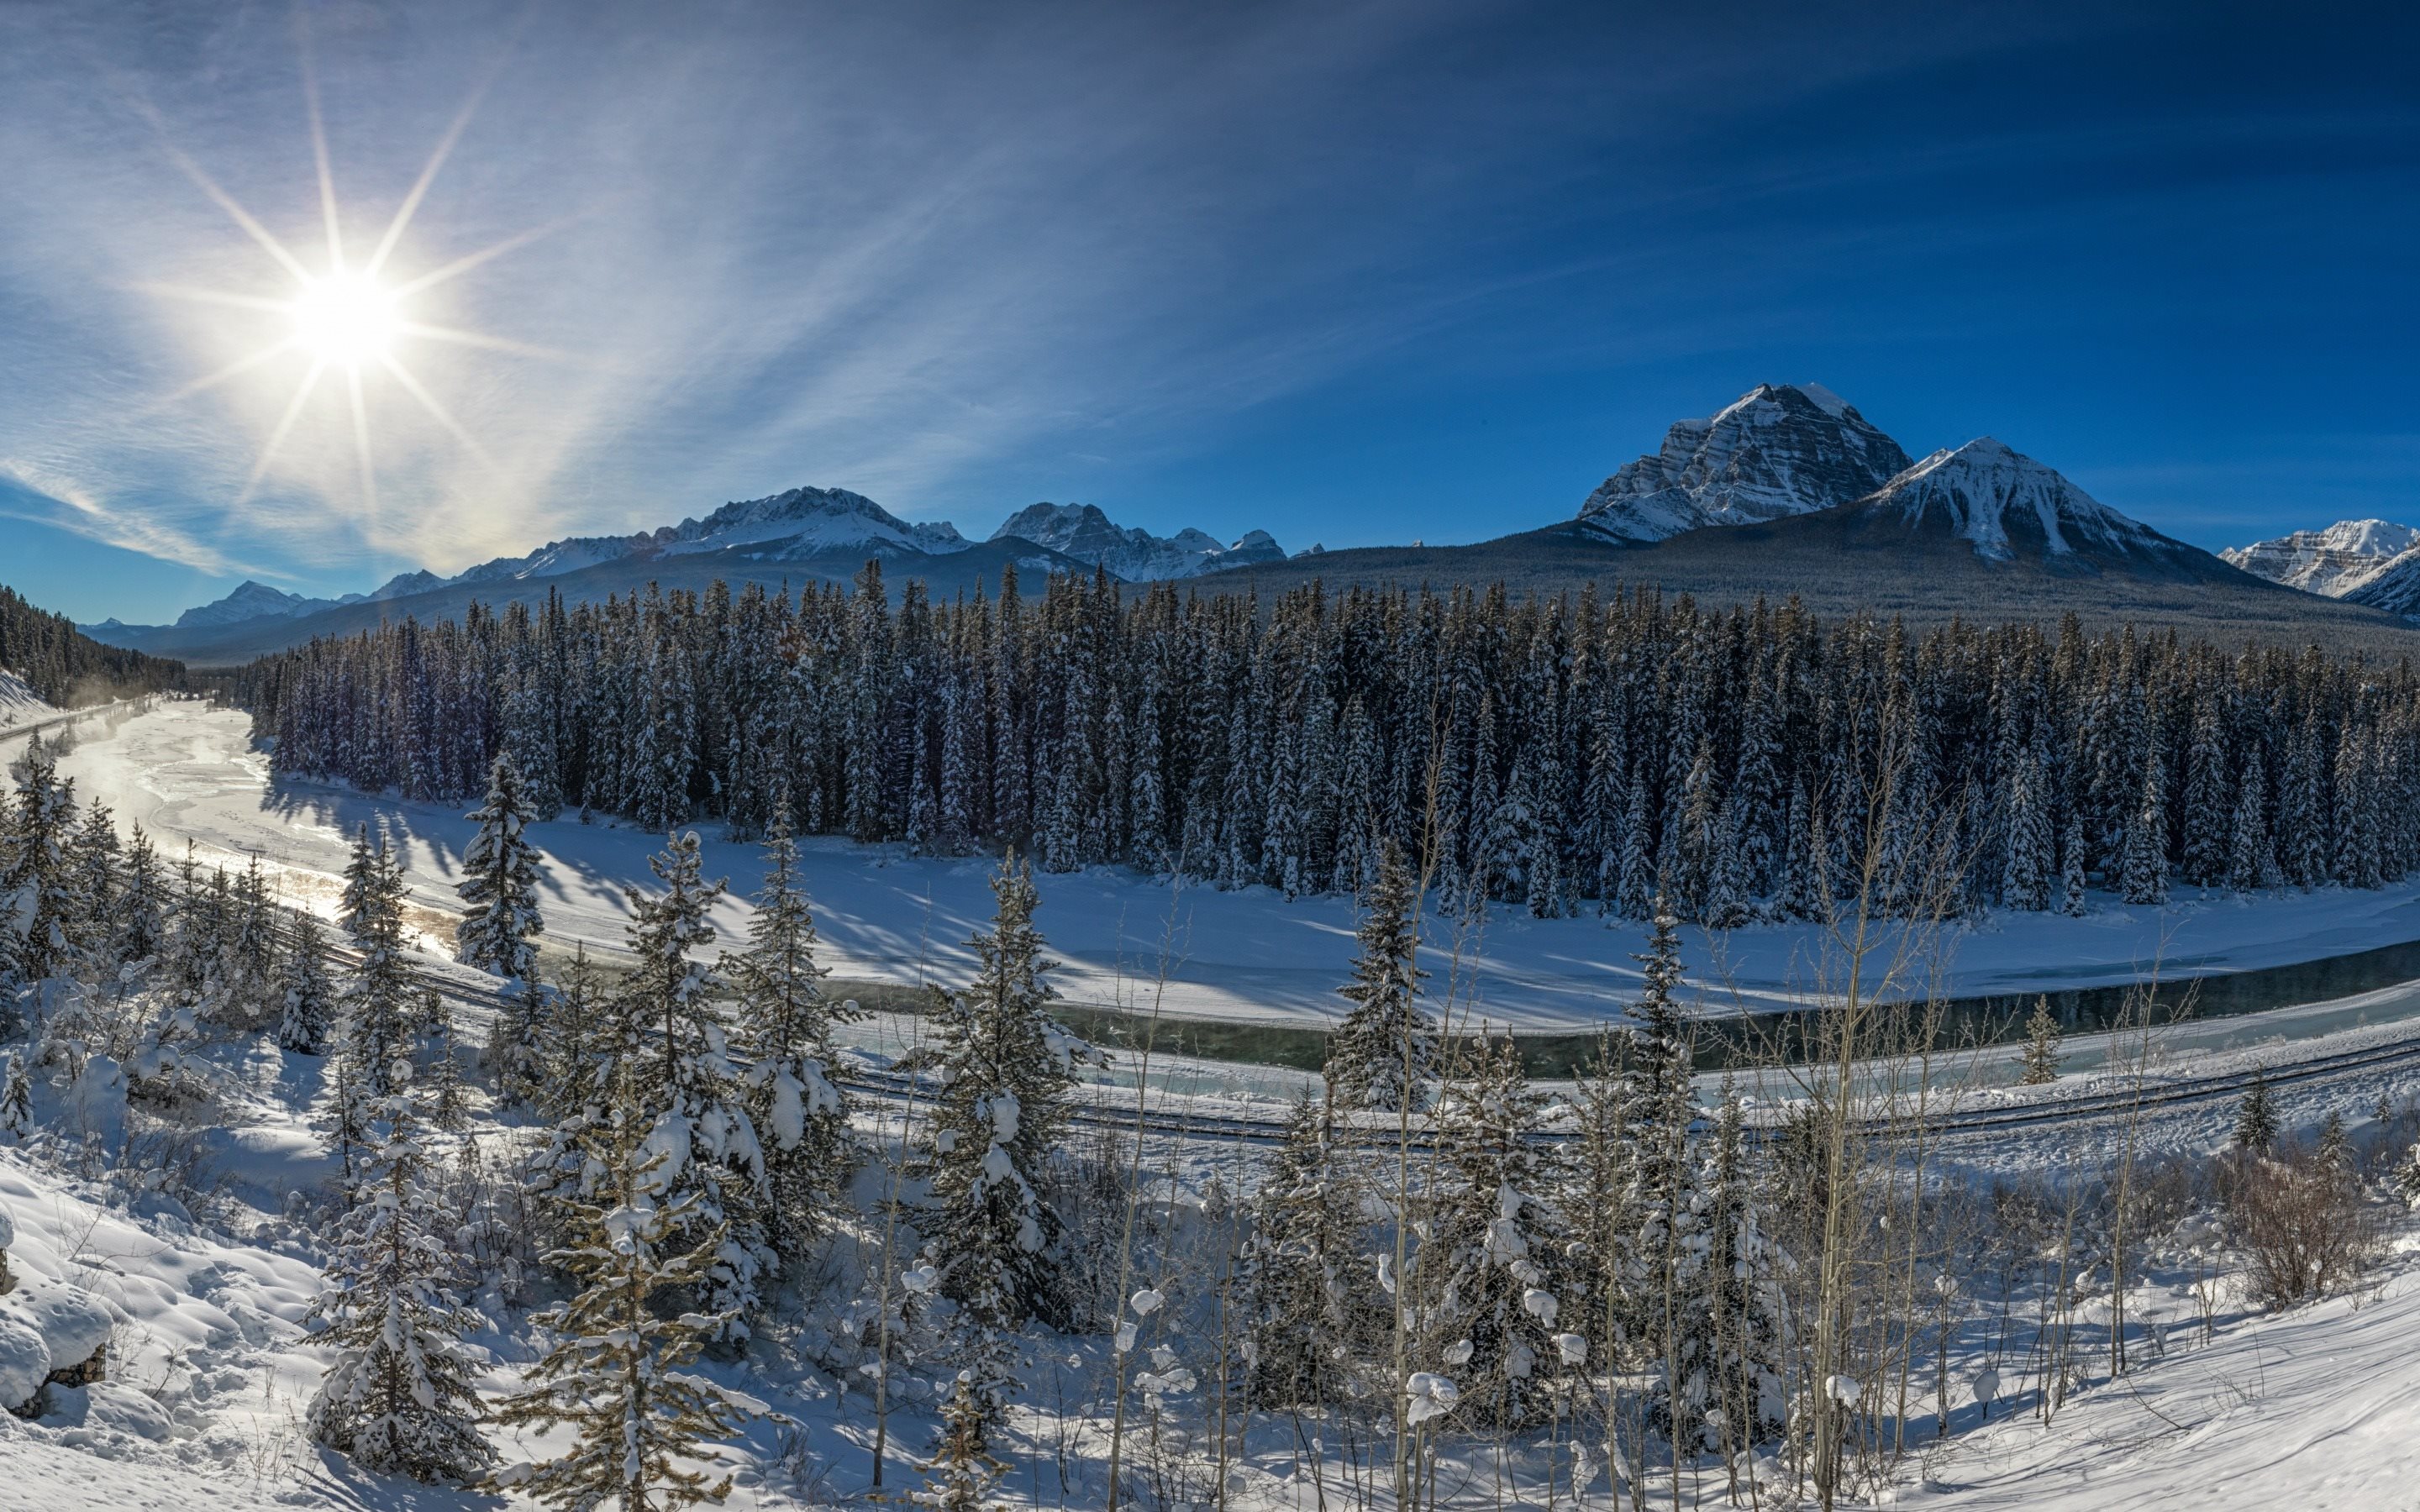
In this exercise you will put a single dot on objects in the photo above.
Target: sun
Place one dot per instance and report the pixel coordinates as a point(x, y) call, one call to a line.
point(346, 318)
point(343, 319)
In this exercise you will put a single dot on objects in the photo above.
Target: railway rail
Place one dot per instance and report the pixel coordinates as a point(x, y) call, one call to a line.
point(2117, 1096)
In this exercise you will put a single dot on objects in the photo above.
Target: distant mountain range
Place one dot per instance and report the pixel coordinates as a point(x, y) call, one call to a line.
point(805, 534)
point(1786, 492)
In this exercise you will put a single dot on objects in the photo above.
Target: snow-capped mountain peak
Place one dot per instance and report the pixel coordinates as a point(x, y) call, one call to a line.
point(1998, 499)
point(249, 601)
point(2334, 563)
point(1780, 449)
point(1085, 533)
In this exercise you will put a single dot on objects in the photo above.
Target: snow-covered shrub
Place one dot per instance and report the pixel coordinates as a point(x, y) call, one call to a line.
point(2305, 1224)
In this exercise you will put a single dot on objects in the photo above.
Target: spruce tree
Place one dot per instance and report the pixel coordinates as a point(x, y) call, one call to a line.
point(1311, 1305)
point(141, 917)
point(1490, 1294)
point(17, 1098)
point(2251, 860)
point(305, 1003)
point(377, 996)
point(37, 889)
point(2041, 1046)
point(498, 890)
point(784, 1037)
point(1749, 1340)
point(612, 1372)
point(398, 1397)
point(1005, 1072)
point(962, 1470)
point(1668, 1245)
point(2146, 862)
point(687, 1088)
point(2255, 1122)
point(1383, 1056)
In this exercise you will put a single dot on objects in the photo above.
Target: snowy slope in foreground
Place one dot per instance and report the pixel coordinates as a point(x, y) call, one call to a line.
point(184, 770)
point(2318, 1408)
point(18, 704)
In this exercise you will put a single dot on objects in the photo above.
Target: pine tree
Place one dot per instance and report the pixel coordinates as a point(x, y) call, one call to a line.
point(1667, 1246)
point(784, 1037)
point(1491, 1297)
point(1309, 1304)
point(305, 1003)
point(2071, 898)
point(1747, 1339)
point(399, 1397)
point(2041, 1046)
point(36, 886)
point(686, 1085)
point(141, 912)
point(1383, 1056)
point(17, 1098)
point(1005, 1072)
point(2146, 864)
point(447, 1108)
point(613, 1370)
point(2256, 1124)
point(377, 996)
point(962, 1470)
point(499, 889)
point(2251, 860)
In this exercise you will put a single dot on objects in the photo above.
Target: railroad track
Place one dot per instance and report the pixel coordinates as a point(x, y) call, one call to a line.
point(2152, 1092)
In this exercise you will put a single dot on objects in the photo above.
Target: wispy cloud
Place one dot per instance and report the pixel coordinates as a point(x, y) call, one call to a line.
point(29, 493)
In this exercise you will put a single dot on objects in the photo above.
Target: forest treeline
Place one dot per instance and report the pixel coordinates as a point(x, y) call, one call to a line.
point(68, 669)
point(1567, 754)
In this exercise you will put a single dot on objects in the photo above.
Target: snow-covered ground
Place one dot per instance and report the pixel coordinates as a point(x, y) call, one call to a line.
point(2312, 1411)
point(18, 704)
point(188, 772)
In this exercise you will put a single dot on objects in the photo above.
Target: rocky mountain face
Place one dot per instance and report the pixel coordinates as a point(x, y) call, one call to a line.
point(1778, 450)
point(1082, 531)
point(250, 601)
point(2006, 505)
point(2333, 562)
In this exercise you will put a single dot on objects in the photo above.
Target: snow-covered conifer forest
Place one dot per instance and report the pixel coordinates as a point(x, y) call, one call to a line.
point(1569, 755)
point(306, 1199)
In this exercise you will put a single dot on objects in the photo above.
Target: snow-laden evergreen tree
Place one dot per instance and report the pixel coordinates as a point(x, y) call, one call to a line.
point(141, 912)
point(1668, 1247)
point(95, 876)
point(1596, 1201)
point(1311, 1306)
point(961, 1471)
point(686, 1086)
point(1745, 1311)
point(2145, 863)
point(2071, 899)
point(1383, 1055)
point(2256, 1120)
point(376, 999)
point(1005, 1072)
point(2251, 860)
point(500, 912)
point(17, 1098)
point(612, 1372)
point(447, 1107)
point(247, 975)
point(1489, 1278)
point(2041, 1065)
point(37, 887)
point(784, 1038)
point(399, 1397)
point(306, 1003)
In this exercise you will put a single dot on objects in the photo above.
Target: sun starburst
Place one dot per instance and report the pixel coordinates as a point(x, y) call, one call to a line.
point(343, 319)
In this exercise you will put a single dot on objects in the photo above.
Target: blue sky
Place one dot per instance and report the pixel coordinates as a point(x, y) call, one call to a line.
point(1350, 273)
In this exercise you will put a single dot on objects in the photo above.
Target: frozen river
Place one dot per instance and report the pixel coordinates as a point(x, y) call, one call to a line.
point(188, 772)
